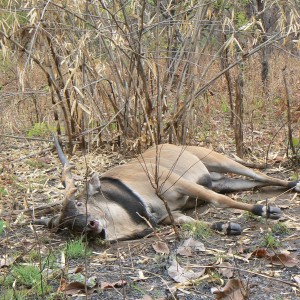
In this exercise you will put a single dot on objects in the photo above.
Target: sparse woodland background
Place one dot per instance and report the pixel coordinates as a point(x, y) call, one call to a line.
point(134, 73)
point(112, 78)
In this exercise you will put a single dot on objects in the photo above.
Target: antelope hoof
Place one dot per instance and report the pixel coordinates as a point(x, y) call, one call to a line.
point(227, 228)
point(297, 187)
point(269, 212)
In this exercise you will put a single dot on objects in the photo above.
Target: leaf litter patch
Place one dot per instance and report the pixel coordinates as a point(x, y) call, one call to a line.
point(157, 267)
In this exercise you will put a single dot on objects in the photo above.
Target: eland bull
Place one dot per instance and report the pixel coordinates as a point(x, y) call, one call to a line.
point(155, 188)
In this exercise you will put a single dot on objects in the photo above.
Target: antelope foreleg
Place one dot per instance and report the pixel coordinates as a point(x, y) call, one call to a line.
point(179, 219)
point(227, 228)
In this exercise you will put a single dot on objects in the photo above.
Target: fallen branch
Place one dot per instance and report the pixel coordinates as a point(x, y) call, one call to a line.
point(33, 154)
point(36, 212)
point(249, 272)
point(248, 164)
point(25, 138)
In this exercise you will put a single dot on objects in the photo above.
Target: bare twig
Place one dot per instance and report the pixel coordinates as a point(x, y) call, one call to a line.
point(37, 211)
point(25, 138)
point(287, 95)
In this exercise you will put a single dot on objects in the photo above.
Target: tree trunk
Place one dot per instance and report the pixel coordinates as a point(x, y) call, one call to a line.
point(238, 124)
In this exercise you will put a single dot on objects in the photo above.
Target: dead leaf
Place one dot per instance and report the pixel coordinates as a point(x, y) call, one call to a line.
point(146, 297)
point(259, 253)
point(233, 290)
point(283, 259)
point(181, 275)
point(278, 159)
point(75, 287)
point(161, 247)
point(194, 244)
point(6, 261)
point(284, 206)
point(184, 251)
point(76, 270)
point(225, 270)
point(190, 245)
point(117, 284)
point(297, 279)
point(140, 277)
point(62, 285)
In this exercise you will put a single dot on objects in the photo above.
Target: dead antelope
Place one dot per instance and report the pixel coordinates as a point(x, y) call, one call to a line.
point(121, 203)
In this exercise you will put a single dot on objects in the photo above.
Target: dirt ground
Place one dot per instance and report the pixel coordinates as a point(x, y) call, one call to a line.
point(140, 269)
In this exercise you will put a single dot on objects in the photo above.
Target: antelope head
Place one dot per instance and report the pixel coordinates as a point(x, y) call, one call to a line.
point(79, 216)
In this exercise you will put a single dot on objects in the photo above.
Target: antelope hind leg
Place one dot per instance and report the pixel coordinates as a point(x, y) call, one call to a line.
point(216, 162)
point(235, 185)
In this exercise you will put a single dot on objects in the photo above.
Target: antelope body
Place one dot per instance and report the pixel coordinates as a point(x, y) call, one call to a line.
point(126, 201)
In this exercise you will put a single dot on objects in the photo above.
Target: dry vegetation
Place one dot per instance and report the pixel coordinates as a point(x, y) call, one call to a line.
point(113, 78)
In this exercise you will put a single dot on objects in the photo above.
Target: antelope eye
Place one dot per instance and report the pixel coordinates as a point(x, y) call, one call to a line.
point(79, 203)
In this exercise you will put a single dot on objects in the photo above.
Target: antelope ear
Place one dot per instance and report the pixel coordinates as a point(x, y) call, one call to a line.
point(94, 185)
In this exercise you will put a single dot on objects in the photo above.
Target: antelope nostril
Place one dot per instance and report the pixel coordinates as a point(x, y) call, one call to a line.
point(93, 224)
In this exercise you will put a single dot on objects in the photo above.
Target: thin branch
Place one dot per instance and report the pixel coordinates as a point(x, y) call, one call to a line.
point(25, 138)
point(245, 56)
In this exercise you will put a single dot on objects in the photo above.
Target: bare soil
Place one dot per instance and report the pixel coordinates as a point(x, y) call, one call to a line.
point(133, 269)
